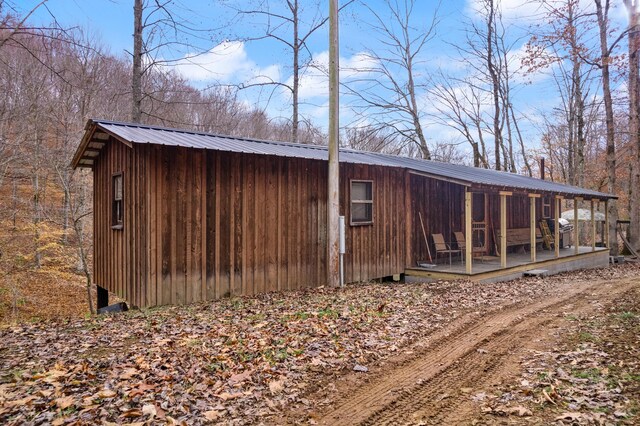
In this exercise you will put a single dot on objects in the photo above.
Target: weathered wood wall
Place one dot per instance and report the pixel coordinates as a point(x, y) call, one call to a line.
point(441, 204)
point(119, 261)
point(376, 250)
point(200, 225)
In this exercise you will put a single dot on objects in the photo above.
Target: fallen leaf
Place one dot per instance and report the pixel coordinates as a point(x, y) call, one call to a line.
point(129, 373)
point(20, 402)
point(225, 396)
point(519, 411)
point(106, 393)
point(569, 416)
point(547, 397)
point(211, 415)
point(65, 402)
point(276, 386)
point(132, 413)
point(239, 378)
point(150, 410)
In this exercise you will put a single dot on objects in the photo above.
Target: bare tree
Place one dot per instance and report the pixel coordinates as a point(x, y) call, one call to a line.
point(602, 14)
point(15, 28)
point(490, 13)
point(162, 37)
point(633, 87)
point(459, 104)
point(561, 45)
point(291, 25)
point(479, 105)
point(386, 86)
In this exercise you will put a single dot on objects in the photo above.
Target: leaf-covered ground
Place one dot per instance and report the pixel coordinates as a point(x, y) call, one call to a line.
point(48, 294)
point(235, 361)
point(592, 376)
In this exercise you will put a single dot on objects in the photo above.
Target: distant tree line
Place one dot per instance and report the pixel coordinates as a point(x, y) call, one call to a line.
point(53, 79)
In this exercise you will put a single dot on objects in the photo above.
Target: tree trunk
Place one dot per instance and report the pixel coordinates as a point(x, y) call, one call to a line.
point(424, 148)
point(523, 151)
point(496, 86)
point(37, 256)
point(634, 123)
point(580, 137)
point(136, 77)
point(65, 207)
point(603, 26)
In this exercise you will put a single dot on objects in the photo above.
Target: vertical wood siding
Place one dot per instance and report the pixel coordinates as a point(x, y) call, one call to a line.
point(201, 225)
point(441, 204)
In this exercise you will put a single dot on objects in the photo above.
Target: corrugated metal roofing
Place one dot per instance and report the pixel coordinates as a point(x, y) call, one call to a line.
point(141, 134)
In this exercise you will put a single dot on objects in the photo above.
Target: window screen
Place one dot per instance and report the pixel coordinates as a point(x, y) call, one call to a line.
point(361, 202)
point(117, 204)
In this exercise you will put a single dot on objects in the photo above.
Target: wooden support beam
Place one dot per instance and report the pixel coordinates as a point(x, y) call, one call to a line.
point(593, 225)
point(503, 229)
point(468, 257)
point(576, 223)
point(556, 230)
point(606, 223)
point(532, 225)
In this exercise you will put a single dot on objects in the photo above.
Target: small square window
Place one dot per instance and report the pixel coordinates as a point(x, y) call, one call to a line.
point(546, 207)
point(117, 205)
point(361, 202)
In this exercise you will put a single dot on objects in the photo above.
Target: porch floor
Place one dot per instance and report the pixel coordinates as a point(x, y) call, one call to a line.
point(489, 266)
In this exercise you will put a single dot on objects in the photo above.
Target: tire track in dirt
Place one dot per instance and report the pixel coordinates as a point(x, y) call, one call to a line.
point(416, 392)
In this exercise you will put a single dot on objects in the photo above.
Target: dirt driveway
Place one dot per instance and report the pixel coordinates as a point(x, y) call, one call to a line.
point(436, 383)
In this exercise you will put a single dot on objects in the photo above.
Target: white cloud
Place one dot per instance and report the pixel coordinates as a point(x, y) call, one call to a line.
point(518, 73)
point(511, 9)
point(525, 10)
point(314, 80)
point(228, 62)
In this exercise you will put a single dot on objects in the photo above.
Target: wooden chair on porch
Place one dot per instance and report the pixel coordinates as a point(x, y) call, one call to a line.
point(462, 245)
point(443, 247)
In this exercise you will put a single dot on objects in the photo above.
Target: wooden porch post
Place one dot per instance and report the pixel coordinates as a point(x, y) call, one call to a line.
point(468, 256)
point(576, 223)
point(556, 232)
point(503, 228)
point(606, 223)
point(532, 225)
point(593, 225)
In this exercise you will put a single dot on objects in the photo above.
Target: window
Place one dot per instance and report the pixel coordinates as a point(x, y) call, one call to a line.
point(361, 202)
point(546, 207)
point(117, 205)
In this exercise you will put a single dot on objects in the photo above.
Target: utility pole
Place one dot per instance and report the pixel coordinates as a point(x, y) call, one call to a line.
point(333, 202)
point(136, 75)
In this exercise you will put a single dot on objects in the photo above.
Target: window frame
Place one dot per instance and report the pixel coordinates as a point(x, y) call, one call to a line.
point(365, 202)
point(115, 223)
point(546, 207)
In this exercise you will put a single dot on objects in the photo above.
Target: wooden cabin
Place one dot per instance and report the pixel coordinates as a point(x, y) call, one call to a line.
point(182, 216)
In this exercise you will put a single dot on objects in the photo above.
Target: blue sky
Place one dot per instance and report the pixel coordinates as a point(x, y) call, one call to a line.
point(237, 62)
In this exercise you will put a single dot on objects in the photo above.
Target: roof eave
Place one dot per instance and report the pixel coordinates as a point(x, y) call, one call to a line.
point(90, 129)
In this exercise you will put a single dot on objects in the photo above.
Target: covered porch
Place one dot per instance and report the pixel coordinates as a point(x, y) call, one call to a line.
point(460, 230)
point(490, 268)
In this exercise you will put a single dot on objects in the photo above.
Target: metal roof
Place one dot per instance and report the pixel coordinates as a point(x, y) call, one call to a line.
point(130, 133)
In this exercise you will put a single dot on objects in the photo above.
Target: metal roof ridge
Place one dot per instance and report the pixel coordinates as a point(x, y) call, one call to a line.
point(439, 168)
point(208, 134)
